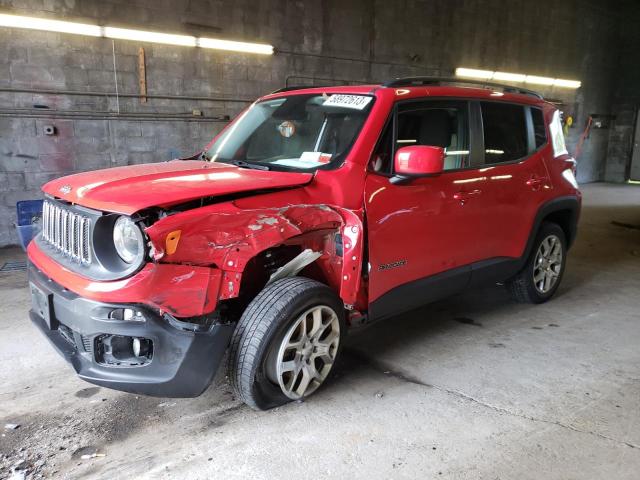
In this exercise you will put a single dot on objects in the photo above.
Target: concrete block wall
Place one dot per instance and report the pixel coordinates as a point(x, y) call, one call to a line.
point(352, 40)
point(625, 101)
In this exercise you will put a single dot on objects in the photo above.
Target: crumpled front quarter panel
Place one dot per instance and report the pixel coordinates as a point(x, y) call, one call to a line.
point(227, 237)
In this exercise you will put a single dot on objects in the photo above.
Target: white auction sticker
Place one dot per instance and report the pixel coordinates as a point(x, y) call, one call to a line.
point(357, 102)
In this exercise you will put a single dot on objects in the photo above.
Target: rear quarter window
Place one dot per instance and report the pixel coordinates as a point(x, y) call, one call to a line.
point(505, 132)
point(539, 130)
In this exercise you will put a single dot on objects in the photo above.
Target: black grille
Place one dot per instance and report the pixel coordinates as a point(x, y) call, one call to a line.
point(87, 343)
point(79, 341)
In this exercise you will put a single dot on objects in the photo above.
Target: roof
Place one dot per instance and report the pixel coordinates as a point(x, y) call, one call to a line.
point(414, 87)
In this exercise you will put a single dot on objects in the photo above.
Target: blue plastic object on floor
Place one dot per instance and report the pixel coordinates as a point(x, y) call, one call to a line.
point(29, 213)
point(27, 210)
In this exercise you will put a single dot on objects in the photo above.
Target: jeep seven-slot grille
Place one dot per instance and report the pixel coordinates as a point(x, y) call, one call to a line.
point(67, 231)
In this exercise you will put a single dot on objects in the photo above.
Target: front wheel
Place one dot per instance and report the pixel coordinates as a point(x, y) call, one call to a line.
point(540, 277)
point(286, 342)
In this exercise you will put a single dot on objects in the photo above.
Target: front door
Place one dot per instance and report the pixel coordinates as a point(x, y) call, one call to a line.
point(423, 235)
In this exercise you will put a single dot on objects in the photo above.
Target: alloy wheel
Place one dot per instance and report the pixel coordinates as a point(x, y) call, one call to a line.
point(308, 351)
point(547, 264)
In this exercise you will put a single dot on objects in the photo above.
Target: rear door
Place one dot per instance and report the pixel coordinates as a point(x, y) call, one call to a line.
point(424, 234)
point(515, 179)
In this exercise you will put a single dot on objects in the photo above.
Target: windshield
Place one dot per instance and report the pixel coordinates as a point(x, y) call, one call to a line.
point(299, 132)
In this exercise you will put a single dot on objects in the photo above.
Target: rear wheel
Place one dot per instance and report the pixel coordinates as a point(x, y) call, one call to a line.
point(286, 342)
point(541, 276)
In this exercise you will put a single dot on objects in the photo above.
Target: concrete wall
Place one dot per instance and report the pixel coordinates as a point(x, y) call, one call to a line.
point(626, 99)
point(355, 40)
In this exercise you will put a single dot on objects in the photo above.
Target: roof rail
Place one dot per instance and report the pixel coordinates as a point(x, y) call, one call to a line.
point(325, 82)
point(288, 89)
point(438, 81)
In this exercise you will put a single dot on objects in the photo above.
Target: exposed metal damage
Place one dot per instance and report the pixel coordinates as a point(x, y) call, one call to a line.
point(293, 267)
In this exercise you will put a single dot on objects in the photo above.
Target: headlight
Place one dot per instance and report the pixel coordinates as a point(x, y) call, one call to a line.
point(128, 240)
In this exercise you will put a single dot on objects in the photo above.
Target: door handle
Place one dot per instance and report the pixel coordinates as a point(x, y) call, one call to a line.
point(535, 181)
point(463, 196)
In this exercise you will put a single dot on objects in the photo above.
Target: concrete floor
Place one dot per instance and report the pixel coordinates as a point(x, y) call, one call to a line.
point(474, 387)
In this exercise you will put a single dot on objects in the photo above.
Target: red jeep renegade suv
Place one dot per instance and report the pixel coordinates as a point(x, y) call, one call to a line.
point(315, 209)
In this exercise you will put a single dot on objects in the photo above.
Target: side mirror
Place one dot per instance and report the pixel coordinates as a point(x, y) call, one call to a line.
point(417, 161)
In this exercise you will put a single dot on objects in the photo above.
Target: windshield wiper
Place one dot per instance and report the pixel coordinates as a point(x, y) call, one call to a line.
point(238, 163)
point(243, 164)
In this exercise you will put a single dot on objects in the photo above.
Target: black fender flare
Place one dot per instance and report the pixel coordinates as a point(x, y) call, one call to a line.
point(568, 203)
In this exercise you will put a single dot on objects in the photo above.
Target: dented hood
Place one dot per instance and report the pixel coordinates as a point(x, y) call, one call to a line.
point(129, 189)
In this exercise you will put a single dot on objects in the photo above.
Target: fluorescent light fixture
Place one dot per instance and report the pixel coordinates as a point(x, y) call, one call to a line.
point(558, 82)
point(232, 46)
point(36, 23)
point(539, 80)
point(516, 78)
point(474, 73)
point(508, 77)
point(152, 37)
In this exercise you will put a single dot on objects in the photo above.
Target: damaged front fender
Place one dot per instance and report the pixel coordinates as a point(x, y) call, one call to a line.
point(227, 237)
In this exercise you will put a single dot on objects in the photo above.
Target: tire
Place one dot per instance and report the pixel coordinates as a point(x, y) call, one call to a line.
point(523, 287)
point(270, 337)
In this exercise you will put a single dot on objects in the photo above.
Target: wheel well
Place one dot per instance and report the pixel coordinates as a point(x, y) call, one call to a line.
point(564, 219)
point(260, 268)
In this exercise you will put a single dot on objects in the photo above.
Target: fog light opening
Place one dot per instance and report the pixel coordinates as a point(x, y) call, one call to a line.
point(119, 350)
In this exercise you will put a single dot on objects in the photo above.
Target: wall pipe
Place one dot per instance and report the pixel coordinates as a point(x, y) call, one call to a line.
point(112, 116)
point(121, 95)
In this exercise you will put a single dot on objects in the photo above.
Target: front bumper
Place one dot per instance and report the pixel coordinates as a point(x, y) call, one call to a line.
point(183, 363)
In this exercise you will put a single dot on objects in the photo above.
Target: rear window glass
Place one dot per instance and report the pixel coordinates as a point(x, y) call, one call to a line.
point(539, 130)
point(505, 132)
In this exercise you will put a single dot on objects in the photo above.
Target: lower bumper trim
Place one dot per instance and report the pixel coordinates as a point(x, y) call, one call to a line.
point(183, 363)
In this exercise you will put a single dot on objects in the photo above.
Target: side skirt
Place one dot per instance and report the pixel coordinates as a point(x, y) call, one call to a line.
point(417, 293)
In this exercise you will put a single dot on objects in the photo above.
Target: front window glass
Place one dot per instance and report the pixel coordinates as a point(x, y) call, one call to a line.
point(433, 123)
point(438, 124)
point(298, 132)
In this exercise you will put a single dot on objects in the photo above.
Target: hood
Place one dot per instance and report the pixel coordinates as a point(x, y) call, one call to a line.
point(132, 188)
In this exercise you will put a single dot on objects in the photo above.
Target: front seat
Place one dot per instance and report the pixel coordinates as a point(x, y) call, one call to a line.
point(436, 130)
